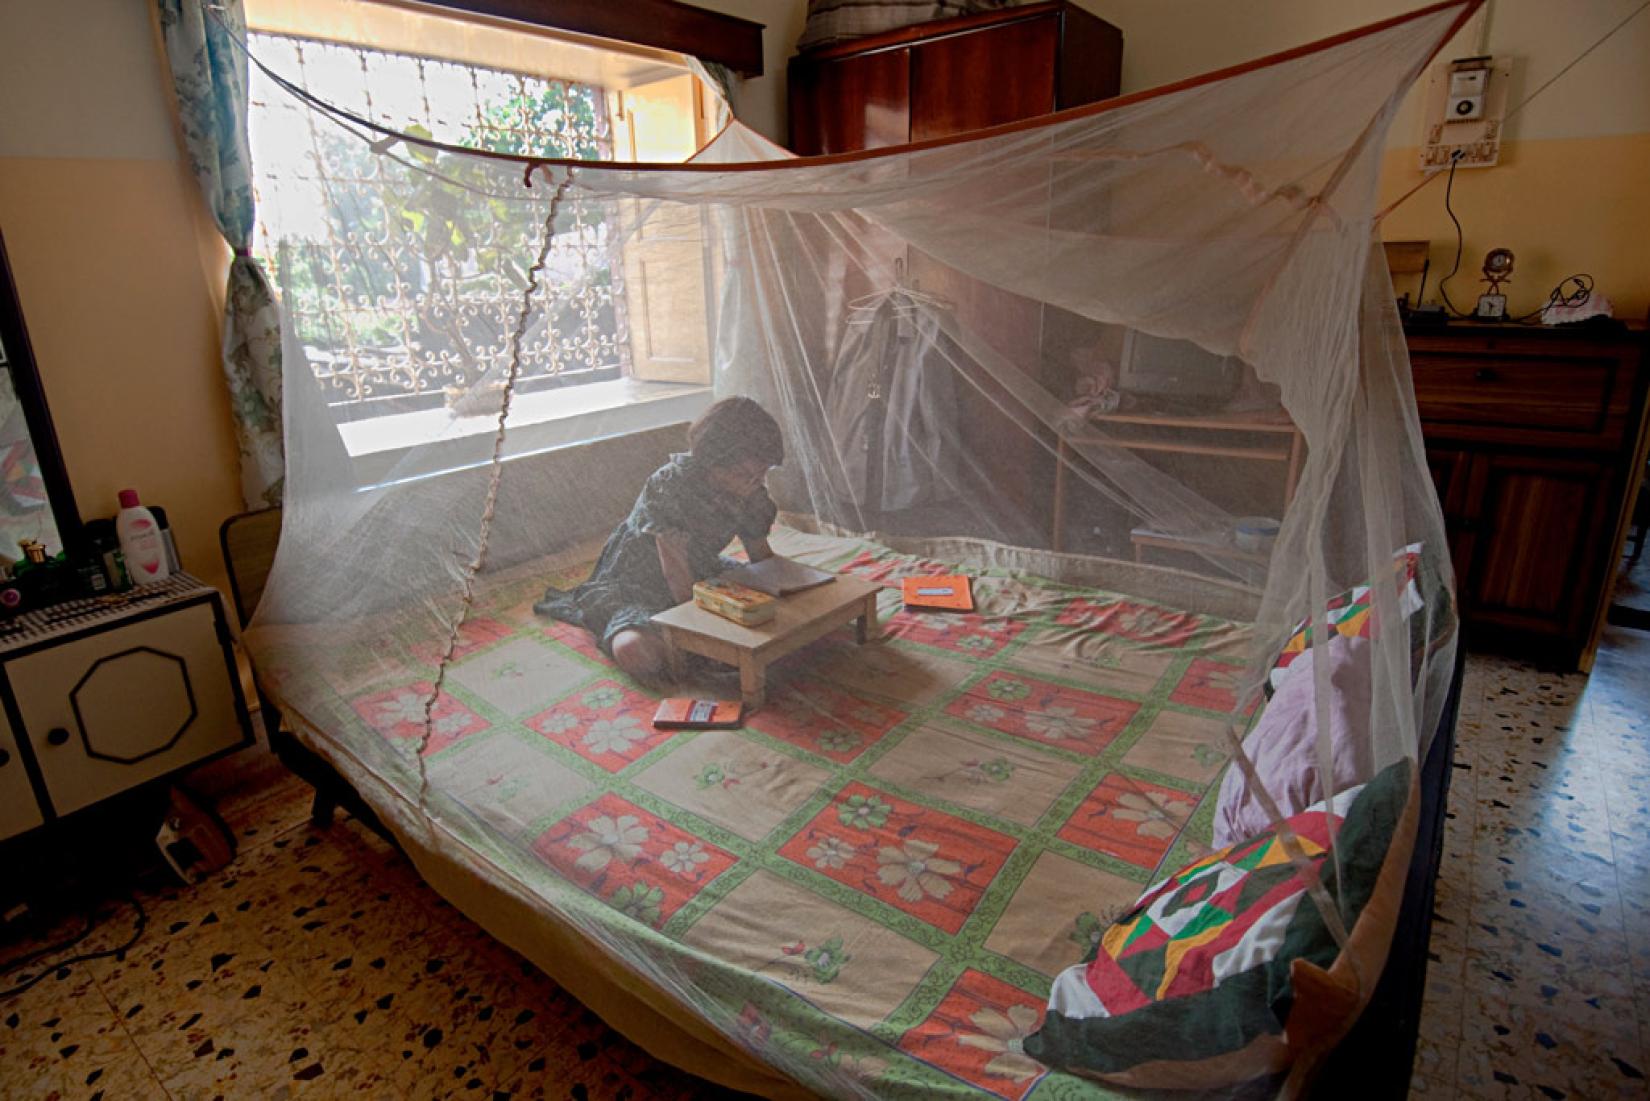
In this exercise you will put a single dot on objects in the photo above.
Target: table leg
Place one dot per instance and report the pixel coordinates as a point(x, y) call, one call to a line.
point(751, 677)
point(866, 628)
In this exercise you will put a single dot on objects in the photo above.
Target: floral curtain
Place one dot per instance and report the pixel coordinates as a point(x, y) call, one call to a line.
point(209, 72)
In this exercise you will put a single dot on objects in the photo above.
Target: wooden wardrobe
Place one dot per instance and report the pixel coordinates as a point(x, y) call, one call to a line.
point(951, 75)
point(946, 77)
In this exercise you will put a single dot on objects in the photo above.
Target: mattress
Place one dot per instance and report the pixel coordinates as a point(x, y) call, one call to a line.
point(868, 888)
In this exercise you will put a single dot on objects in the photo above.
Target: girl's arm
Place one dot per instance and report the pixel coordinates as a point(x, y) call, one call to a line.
point(673, 563)
point(756, 549)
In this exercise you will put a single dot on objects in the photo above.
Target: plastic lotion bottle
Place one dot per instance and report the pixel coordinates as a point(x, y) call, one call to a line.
point(140, 541)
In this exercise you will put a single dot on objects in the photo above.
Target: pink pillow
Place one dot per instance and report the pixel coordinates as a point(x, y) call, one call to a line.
point(1283, 745)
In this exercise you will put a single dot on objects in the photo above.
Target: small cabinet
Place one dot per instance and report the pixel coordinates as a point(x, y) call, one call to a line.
point(1532, 436)
point(102, 698)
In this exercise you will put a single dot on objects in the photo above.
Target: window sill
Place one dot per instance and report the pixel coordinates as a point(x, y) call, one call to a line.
point(411, 446)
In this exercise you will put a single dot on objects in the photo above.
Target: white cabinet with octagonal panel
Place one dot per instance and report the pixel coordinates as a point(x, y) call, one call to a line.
point(103, 697)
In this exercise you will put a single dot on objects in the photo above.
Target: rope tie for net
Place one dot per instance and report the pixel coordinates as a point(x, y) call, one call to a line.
point(495, 478)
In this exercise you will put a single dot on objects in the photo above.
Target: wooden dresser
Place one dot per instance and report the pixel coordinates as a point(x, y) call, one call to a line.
point(1534, 437)
point(951, 75)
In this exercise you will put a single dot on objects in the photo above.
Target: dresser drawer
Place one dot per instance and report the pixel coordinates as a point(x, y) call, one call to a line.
point(1574, 400)
point(107, 711)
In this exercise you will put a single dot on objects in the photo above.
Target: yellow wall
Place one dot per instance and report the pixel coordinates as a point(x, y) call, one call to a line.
point(118, 269)
point(1569, 194)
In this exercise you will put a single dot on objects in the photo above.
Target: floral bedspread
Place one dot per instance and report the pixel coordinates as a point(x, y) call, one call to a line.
point(872, 884)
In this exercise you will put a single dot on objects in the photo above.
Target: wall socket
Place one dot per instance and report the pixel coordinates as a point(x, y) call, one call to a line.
point(1461, 120)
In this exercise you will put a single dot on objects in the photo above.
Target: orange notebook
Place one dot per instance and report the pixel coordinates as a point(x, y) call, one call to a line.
point(949, 593)
point(681, 713)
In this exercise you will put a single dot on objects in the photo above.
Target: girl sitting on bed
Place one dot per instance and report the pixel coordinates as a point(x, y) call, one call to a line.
point(686, 513)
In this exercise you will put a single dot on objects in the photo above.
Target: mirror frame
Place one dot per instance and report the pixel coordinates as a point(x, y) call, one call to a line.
point(31, 396)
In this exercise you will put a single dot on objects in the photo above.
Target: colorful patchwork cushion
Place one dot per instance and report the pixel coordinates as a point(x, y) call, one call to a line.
point(1352, 614)
point(1226, 971)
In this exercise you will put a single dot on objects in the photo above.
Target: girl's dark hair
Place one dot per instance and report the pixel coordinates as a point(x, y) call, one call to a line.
point(734, 430)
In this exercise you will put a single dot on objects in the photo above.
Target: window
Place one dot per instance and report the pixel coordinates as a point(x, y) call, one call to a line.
point(403, 305)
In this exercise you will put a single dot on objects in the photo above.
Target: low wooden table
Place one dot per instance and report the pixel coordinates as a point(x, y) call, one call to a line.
point(803, 617)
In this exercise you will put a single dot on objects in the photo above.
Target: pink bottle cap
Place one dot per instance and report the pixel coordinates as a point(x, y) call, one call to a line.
point(128, 498)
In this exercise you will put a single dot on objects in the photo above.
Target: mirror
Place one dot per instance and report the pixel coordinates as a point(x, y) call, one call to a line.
point(36, 503)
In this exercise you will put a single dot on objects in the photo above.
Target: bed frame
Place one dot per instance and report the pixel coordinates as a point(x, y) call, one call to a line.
point(1373, 1061)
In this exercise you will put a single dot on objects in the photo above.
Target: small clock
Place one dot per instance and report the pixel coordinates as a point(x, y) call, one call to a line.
point(1498, 268)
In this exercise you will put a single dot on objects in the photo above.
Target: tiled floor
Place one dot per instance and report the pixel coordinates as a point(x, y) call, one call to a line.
point(1539, 983)
point(320, 965)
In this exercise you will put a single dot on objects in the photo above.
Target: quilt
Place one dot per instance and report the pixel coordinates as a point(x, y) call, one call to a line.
point(873, 883)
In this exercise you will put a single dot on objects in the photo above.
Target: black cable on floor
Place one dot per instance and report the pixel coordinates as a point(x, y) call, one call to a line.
point(86, 957)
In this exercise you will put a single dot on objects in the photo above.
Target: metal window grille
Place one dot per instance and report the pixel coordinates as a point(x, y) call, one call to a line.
point(402, 298)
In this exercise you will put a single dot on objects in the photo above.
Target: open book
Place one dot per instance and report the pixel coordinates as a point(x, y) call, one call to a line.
point(778, 576)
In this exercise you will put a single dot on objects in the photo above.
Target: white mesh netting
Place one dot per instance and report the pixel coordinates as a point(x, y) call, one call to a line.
point(1134, 370)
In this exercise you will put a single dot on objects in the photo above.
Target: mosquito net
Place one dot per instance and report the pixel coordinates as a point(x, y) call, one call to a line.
point(1133, 370)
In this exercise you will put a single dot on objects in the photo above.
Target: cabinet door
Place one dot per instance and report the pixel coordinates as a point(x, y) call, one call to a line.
point(1451, 469)
point(840, 105)
point(19, 810)
point(983, 78)
point(1537, 524)
point(107, 711)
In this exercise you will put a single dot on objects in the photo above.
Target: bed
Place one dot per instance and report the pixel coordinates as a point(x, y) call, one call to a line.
point(881, 873)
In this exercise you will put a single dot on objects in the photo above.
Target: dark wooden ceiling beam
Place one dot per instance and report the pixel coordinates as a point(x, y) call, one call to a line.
point(662, 24)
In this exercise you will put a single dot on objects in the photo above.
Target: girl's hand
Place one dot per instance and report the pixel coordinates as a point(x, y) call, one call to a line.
point(756, 549)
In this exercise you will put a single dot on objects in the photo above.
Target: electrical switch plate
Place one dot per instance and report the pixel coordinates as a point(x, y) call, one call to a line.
point(1465, 103)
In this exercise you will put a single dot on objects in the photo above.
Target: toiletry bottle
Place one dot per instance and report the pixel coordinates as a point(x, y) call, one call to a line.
point(172, 563)
point(140, 541)
point(106, 548)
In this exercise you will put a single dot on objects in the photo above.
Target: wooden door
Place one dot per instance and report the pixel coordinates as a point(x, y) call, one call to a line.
point(1451, 469)
point(1536, 522)
point(843, 104)
point(984, 78)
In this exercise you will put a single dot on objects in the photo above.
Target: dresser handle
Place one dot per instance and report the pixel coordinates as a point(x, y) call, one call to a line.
point(1485, 374)
point(57, 736)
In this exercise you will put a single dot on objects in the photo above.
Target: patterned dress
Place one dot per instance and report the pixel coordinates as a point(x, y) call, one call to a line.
point(628, 587)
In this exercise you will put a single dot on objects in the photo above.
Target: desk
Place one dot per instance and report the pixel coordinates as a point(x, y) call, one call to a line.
point(1279, 441)
point(802, 618)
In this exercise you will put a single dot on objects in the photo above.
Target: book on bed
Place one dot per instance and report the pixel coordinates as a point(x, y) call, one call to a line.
point(682, 713)
point(778, 576)
point(947, 593)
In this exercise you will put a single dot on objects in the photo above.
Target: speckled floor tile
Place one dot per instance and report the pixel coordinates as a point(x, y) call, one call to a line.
point(1539, 967)
point(62, 1039)
point(318, 964)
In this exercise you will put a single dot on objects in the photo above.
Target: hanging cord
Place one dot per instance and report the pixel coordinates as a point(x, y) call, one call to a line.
point(495, 478)
point(1460, 239)
point(1525, 102)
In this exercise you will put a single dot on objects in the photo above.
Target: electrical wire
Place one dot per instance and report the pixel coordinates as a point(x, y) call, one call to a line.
point(1460, 239)
point(85, 957)
point(8, 966)
point(1558, 296)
